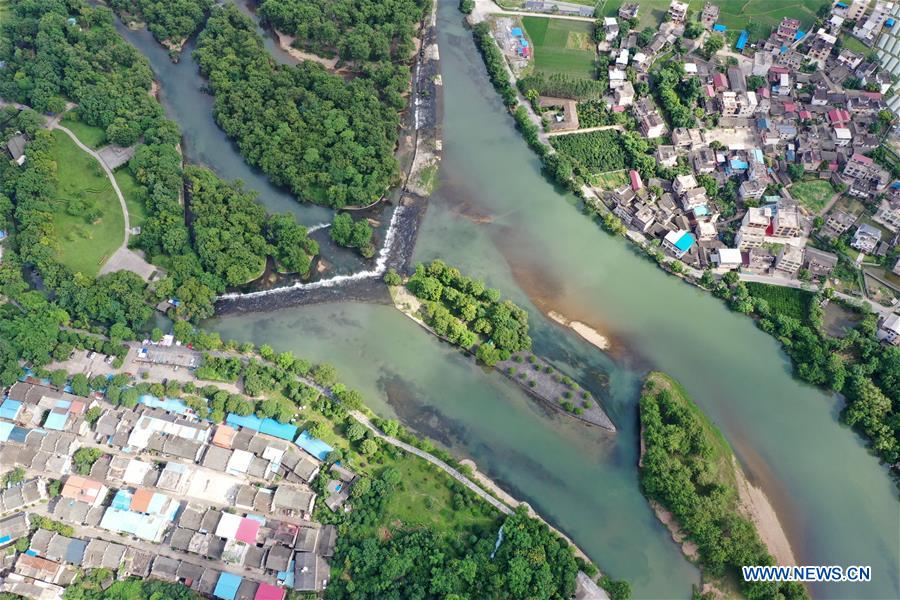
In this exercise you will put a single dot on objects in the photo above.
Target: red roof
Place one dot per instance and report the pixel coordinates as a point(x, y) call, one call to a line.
point(267, 591)
point(764, 91)
point(838, 115)
point(710, 91)
point(719, 80)
point(790, 107)
point(861, 159)
point(873, 95)
point(140, 502)
point(636, 182)
point(779, 70)
point(247, 531)
point(618, 108)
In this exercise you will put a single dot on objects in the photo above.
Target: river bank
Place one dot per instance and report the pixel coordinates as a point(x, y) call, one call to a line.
point(701, 458)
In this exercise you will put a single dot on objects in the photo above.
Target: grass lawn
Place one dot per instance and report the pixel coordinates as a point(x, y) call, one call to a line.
point(84, 245)
point(813, 194)
point(90, 136)
point(562, 46)
point(135, 196)
point(790, 302)
point(734, 14)
point(854, 45)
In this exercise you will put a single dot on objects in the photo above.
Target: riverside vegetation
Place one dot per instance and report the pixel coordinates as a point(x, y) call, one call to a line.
point(688, 467)
point(461, 309)
point(858, 365)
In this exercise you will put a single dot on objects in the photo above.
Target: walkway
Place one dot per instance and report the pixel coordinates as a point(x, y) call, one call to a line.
point(484, 8)
point(364, 420)
point(586, 130)
point(123, 258)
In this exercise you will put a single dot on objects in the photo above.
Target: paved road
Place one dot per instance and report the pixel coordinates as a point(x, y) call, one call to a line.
point(123, 257)
point(483, 8)
point(433, 460)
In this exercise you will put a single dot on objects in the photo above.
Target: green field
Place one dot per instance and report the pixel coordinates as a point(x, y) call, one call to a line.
point(611, 180)
point(562, 46)
point(134, 196)
point(813, 194)
point(96, 228)
point(790, 302)
point(735, 14)
point(90, 136)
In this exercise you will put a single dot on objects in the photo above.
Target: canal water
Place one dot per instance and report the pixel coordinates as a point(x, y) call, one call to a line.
point(495, 217)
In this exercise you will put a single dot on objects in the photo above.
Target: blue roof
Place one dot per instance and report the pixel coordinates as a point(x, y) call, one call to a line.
point(146, 527)
point(75, 551)
point(2, 234)
point(742, 41)
point(516, 31)
point(719, 27)
point(287, 576)
point(5, 430)
point(284, 431)
point(524, 43)
point(841, 4)
point(313, 445)
point(758, 156)
point(799, 35)
point(18, 434)
point(738, 164)
point(889, 23)
point(168, 404)
point(56, 421)
point(791, 155)
point(227, 586)
point(783, 49)
point(685, 242)
point(895, 185)
point(5, 539)
point(122, 500)
point(10, 409)
point(701, 211)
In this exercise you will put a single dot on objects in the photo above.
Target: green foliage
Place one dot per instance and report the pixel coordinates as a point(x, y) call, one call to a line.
point(596, 151)
point(459, 307)
point(392, 277)
point(89, 588)
point(593, 113)
point(167, 20)
point(84, 459)
point(297, 122)
point(352, 234)
point(563, 86)
point(494, 62)
point(39, 522)
point(466, 6)
point(290, 244)
point(361, 30)
point(688, 468)
point(790, 302)
point(14, 477)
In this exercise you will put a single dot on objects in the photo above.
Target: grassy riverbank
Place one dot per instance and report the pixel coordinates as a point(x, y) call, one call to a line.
point(687, 468)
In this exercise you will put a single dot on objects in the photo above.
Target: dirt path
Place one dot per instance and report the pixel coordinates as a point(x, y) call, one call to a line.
point(285, 42)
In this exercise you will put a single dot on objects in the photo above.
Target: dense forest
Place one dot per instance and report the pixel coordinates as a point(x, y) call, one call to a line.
point(687, 467)
point(461, 308)
point(330, 141)
point(357, 30)
point(170, 21)
point(232, 233)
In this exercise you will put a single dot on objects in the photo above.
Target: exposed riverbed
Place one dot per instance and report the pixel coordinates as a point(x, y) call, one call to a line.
point(496, 218)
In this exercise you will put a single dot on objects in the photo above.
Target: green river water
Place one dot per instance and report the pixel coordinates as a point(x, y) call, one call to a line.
point(495, 217)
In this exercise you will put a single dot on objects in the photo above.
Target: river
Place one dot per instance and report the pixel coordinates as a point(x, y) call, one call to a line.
point(495, 217)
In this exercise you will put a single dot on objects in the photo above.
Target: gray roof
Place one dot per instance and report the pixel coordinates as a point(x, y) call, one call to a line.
point(307, 538)
point(190, 518)
point(216, 458)
point(181, 539)
point(165, 568)
point(306, 574)
point(327, 541)
point(14, 526)
point(16, 146)
point(247, 591)
point(189, 572)
point(279, 558)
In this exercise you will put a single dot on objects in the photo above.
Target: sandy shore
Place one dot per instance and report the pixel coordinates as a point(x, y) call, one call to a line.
point(590, 334)
point(285, 41)
point(756, 505)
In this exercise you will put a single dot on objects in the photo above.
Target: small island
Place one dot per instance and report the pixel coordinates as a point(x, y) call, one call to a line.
point(466, 313)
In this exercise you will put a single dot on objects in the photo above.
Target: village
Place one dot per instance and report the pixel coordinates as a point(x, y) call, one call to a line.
point(153, 490)
point(773, 156)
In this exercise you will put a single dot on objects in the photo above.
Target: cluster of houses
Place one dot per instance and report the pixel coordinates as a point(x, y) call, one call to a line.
point(225, 509)
point(795, 99)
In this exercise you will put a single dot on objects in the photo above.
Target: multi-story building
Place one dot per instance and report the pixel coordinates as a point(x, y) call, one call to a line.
point(859, 166)
point(890, 330)
point(652, 125)
point(747, 239)
point(787, 30)
point(710, 15)
point(677, 11)
point(678, 242)
point(738, 104)
point(789, 259)
point(837, 223)
point(866, 238)
point(786, 222)
point(888, 214)
point(820, 49)
point(756, 220)
point(629, 11)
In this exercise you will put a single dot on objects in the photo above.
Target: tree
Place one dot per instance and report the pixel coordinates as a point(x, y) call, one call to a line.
point(355, 431)
point(58, 378)
point(368, 447)
point(713, 44)
point(80, 386)
point(85, 458)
